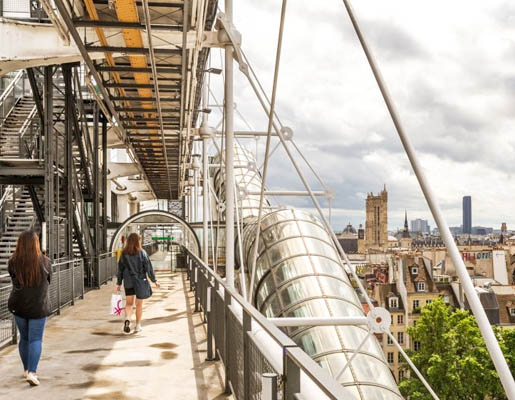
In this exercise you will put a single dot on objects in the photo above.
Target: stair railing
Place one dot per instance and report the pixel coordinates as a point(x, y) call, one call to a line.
point(5, 196)
point(28, 144)
point(11, 94)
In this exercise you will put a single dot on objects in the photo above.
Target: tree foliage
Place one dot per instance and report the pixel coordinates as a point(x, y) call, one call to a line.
point(453, 356)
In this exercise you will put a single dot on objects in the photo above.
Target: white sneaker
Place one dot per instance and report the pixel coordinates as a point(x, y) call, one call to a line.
point(25, 373)
point(32, 379)
point(138, 328)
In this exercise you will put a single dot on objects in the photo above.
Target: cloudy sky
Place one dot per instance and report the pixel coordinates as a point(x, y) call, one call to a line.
point(450, 66)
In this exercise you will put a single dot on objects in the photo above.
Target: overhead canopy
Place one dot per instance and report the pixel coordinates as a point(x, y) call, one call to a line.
point(145, 88)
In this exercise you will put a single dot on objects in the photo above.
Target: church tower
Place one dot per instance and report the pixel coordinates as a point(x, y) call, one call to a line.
point(406, 239)
point(376, 226)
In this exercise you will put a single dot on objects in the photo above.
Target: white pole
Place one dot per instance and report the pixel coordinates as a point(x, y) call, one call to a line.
point(472, 297)
point(205, 185)
point(229, 156)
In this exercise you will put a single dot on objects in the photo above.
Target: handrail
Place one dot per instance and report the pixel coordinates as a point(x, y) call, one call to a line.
point(301, 374)
point(11, 85)
point(8, 189)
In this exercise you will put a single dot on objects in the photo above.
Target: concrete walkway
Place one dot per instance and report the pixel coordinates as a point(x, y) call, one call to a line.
point(86, 356)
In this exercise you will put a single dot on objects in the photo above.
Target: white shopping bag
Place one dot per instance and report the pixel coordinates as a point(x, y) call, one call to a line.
point(116, 304)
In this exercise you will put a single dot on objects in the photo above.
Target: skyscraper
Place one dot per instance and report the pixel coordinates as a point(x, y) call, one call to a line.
point(467, 214)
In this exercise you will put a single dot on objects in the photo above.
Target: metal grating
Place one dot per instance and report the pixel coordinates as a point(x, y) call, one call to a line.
point(6, 318)
point(259, 365)
point(235, 331)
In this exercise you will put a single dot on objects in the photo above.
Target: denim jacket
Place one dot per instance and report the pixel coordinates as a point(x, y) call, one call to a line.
point(137, 264)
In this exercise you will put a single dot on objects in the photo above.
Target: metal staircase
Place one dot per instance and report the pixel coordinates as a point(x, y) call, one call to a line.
point(18, 128)
point(19, 216)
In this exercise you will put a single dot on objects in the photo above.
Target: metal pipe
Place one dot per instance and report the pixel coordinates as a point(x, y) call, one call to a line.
point(484, 325)
point(229, 154)
point(267, 150)
point(205, 183)
point(318, 321)
point(156, 88)
point(294, 193)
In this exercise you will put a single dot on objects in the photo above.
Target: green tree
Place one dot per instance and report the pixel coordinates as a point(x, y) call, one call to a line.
point(453, 356)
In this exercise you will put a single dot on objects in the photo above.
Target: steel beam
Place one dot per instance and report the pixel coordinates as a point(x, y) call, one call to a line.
point(118, 68)
point(143, 109)
point(96, 198)
point(129, 50)
point(48, 91)
point(139, 85)
point(86, 23)
point(69, 125)
point(168, 4)
point(105, 191)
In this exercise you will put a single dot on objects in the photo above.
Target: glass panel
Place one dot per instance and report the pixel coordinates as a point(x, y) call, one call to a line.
point(280, 231)
point(352, 336)
point(286, 249)
point(316, 246)
point(335, 362)
point(324, 265)
point(300, 289)
point(319, 339)
point(370, 369)
point(377, 393)
point(292, 268)
point(310, 229)
point(335, 287)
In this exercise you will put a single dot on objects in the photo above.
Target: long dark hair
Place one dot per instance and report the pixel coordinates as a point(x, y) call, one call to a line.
point(133, 244)
point(26, 259)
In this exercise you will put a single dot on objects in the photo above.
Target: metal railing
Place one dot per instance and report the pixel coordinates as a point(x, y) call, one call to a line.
point(12, 93)
point(66, 286)
point(261, 362)
point(107, 267)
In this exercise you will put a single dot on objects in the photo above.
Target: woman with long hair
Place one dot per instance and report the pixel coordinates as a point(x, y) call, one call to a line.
point(31, 274)
point(133, 267)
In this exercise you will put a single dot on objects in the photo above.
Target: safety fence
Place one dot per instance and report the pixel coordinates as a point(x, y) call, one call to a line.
point(107, 267)
point(260, 361)
point(67, 285)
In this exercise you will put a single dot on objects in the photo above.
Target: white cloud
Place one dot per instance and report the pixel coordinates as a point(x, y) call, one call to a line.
point(450, 68)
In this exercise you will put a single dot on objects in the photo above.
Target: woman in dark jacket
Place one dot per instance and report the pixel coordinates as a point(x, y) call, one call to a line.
point(133, 262)
point(30, 273)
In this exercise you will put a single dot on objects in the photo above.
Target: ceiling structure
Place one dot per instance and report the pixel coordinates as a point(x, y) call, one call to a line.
point(150, 77)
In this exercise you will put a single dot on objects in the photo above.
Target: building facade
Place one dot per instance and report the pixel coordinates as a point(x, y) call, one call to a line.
point(376, 227)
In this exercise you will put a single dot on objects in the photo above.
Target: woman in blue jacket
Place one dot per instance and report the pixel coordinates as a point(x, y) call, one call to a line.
point(134, 264)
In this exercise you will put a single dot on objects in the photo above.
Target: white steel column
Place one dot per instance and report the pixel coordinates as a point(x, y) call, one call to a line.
point(229, 156)
point(205, 181)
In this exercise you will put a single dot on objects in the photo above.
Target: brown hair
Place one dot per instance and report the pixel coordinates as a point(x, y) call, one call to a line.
point(133, 244)
point(26, 259)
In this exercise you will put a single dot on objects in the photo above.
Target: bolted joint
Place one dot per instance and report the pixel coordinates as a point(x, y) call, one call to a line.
point(379, 320)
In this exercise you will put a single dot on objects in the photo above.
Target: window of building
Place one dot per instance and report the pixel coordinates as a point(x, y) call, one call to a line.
point(446, 299)
point(416, 304)
point(401, 375)
point(415, 323)
point(421, 286)
point(414, 270)
point(416, 345)
point(390, 357)
point(400, 319)
point(399, 358)
point(512, 312)
point(400, 337)
point(429, 301)
point(394, 302)
point(389, 340)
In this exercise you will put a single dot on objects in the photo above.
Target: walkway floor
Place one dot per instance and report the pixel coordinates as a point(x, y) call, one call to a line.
point(86, 356)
